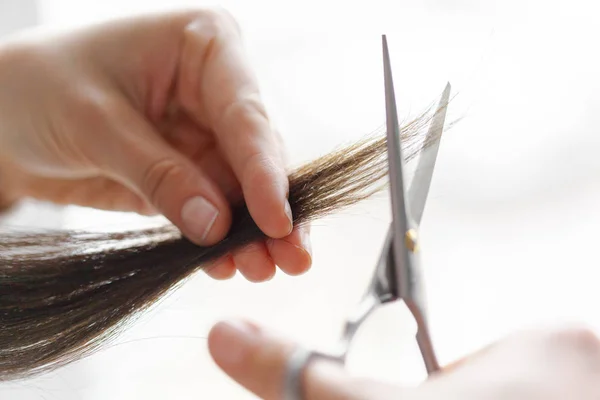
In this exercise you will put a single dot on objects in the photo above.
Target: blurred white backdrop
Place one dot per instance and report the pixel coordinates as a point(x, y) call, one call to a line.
point(511, 227)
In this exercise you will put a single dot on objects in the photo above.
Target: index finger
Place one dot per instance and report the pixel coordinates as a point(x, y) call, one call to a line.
point(223, 95)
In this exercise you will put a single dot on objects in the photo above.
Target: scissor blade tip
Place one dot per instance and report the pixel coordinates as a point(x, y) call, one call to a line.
point(447, 90)
point(446, 93)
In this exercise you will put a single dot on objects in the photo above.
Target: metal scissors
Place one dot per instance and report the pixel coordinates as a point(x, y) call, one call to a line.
point(398, 274)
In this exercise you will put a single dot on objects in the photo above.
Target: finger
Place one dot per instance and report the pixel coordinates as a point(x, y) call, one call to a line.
point(257, 360)
point(185, 135)
point(254, 262)
point(139, 157)
point(216, 86)
point(219, 171)
point(222, 270)
point(198, 145)
point(292, 254)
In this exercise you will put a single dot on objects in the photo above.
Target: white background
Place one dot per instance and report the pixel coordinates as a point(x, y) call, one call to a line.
point(511, 228)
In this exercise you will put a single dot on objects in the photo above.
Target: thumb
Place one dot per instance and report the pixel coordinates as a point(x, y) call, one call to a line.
point(140, 158)
point(257, 360)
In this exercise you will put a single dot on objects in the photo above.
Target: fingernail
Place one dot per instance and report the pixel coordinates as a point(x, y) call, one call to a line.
point(305, 240)
point(288, 212)
point(199, 216)
point(233, 340)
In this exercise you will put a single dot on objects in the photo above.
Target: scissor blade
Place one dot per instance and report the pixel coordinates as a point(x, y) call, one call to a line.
point(400, 223)
point(383, 284)
point(419, 188)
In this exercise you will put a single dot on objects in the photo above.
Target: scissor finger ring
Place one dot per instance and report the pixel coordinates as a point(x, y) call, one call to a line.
point(293, 388)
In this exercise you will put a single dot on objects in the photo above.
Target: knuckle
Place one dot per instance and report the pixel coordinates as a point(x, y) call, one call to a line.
point(231, 20)
point(246, 110)
point(249, 105)
point(205, 34)
point(156, 175)
point(222, 17)
point(94, 108)
point(213, 21)
point(577, 338)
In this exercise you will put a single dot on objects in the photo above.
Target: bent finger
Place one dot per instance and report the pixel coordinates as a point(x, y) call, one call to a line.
point(218, 87)
point(222, 269)
point(254, 262)
point(293, 253)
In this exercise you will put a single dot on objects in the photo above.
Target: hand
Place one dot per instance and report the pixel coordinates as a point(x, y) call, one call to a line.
point(549, 364)
point(152, 114)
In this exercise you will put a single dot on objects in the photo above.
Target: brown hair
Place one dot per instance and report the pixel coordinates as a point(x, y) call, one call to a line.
point(63, 294)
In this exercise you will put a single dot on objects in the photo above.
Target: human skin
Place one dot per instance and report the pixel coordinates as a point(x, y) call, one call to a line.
point(549, 363)
point(152, 114)
point(162, 114)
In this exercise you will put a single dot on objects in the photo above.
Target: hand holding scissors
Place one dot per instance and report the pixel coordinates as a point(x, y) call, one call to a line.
point(546, 364)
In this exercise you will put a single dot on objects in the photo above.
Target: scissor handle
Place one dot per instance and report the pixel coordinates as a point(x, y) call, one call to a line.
point(293, 387)
point(427, 351)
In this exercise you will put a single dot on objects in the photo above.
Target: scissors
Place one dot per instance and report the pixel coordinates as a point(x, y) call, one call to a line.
point(398, 274)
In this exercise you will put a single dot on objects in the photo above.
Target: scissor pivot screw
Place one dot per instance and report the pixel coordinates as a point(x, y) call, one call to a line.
point(411, 240)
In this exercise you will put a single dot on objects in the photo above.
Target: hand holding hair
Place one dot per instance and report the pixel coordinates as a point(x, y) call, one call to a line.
point(153, 114)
